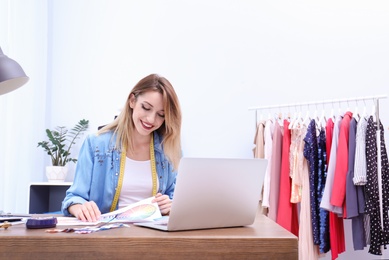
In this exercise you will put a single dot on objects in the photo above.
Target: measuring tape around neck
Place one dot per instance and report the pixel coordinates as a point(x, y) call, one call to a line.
point(153, 167)
point(121, 174)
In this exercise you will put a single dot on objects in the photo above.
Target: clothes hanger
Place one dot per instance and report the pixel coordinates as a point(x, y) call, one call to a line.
point(317, 121)
point(295, 118)
point(287, 115)
point(276, 116)
point(364, 115)
point(289, 118)
point(333, 116)
point(340, 109)
point(315, 115)
point(373, 112)
point(356, 115)
point(322, 119)
point(280, 117)
point(295, 122)
point(269, 117)
point(307, 117)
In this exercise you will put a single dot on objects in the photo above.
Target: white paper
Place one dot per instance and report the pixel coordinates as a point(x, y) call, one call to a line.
point(141, 211)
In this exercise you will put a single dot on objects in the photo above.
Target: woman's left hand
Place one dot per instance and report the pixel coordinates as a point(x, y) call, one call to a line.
point(164, 203)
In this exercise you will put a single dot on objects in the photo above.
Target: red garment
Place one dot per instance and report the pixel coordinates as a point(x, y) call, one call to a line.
point(329, 132)
point(337, 241)
point(287, 216)
point(338, 194)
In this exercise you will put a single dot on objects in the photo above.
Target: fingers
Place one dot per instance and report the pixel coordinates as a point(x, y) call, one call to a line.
point(86, 212)
point(164, 203)
point(90, 212)
point(165, 209)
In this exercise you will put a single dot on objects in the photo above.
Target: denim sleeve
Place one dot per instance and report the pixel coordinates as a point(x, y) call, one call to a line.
point(171, 184)
point(79, 192)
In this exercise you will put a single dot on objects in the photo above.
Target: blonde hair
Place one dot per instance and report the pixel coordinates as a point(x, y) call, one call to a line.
point(170, 130)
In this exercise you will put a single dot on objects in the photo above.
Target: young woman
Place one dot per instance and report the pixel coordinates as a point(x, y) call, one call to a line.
point(133, 158)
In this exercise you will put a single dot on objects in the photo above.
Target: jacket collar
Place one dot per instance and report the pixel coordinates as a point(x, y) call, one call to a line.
point(157, 142)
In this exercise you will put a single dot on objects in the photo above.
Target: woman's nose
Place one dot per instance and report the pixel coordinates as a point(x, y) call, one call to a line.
point(151, 118)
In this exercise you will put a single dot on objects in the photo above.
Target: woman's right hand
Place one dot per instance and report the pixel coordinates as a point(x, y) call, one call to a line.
point(86, 212)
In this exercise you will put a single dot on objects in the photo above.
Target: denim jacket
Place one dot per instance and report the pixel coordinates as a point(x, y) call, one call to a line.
point(97, 172)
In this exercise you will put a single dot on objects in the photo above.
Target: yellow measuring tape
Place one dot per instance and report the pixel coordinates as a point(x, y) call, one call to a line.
point(153, 167)
point(121, 174)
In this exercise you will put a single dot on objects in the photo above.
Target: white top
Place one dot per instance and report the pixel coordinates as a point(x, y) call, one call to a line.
point(360, 168)
point(137, 182)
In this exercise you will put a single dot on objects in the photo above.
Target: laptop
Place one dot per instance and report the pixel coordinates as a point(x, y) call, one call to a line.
point(214, 193)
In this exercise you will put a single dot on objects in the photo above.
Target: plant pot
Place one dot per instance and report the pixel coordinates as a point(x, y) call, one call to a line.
point(56, 173)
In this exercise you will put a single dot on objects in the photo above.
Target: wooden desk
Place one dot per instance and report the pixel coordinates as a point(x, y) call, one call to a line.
point(262, 240)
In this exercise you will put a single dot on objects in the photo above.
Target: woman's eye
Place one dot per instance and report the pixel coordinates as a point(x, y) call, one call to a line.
point(161, 115)
point(145, 108)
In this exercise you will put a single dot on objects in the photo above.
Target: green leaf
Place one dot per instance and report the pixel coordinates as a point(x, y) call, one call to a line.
point(61, 141)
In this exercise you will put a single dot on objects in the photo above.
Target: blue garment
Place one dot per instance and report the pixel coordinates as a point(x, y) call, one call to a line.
point(351, 189)
point(354, 194)
point(311, 154)
point(315, 153)
point(324, 220)
point(379, 235)
point(97, 172)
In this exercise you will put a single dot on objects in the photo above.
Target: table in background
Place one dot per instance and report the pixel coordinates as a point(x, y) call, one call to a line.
point(44, 197)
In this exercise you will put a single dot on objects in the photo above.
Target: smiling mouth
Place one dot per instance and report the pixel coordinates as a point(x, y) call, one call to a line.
point(146, 126)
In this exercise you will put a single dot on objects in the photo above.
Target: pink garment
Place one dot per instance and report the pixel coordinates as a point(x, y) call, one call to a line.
point(307, 250)
point(259, 149)
point(337, 241)
point(275, 171)
point(338, 194)
point(259, 141)
point(296, 162)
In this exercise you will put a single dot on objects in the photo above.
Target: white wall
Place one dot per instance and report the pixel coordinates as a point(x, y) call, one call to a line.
point(222, 57)
point(23, 37)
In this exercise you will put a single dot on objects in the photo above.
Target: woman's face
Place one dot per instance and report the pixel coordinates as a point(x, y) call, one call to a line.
point(148, 113)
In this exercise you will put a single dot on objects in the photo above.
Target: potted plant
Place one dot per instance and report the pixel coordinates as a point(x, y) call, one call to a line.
point(58, 147)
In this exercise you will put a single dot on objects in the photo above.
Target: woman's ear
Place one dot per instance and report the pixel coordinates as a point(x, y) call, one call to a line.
point(132, 101)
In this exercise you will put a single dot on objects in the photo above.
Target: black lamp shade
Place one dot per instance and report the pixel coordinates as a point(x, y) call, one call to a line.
point(12, 75)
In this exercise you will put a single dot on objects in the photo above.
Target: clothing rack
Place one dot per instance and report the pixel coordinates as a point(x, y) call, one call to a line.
point(328, 101)
point(338, 101)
